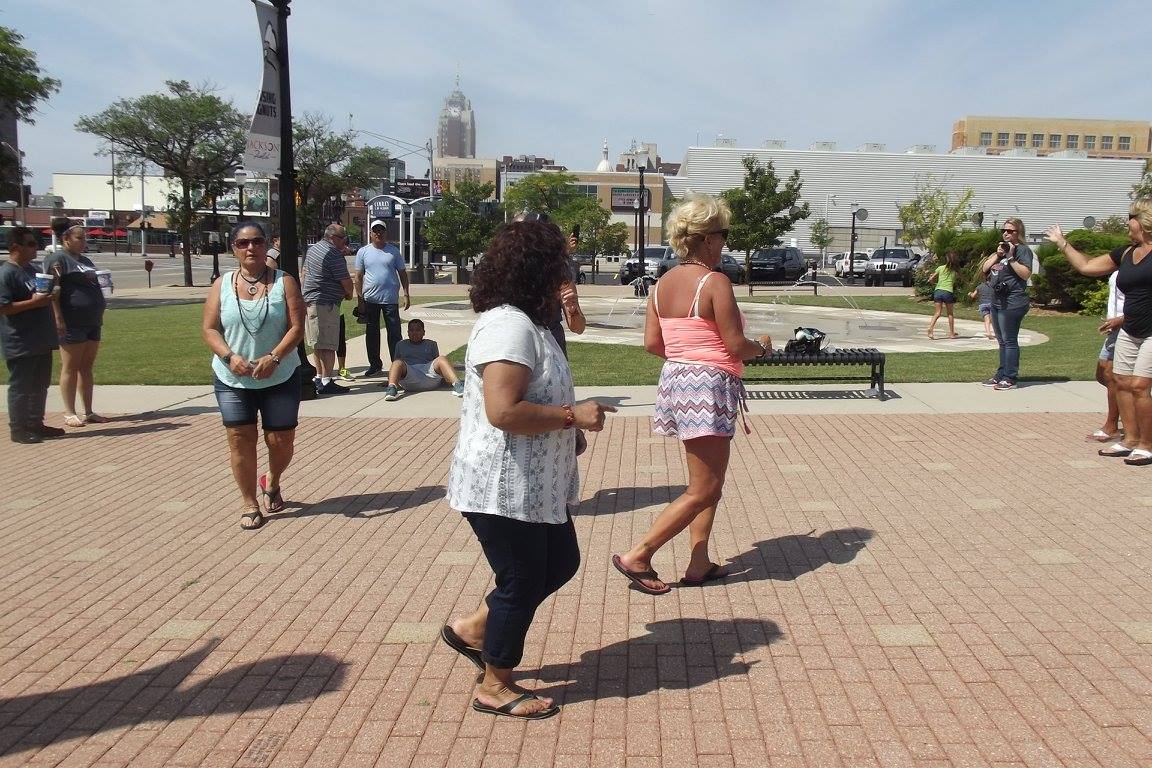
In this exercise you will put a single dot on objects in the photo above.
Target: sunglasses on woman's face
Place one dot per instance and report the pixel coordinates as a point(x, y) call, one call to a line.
point(1008, 231)
point(722, 232)
point(244, 242)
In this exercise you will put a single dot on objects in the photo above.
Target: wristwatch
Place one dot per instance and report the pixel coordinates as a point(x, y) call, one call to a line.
point(226, 359)
point(275, 357)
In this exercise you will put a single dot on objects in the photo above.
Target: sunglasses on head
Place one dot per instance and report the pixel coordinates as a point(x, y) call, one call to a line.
point(244, 242)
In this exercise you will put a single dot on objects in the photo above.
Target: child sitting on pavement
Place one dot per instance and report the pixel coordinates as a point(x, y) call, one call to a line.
point(419, 366)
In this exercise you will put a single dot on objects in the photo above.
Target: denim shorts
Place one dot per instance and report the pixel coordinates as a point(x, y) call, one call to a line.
point(78, 334)
point(278, 406)
point(944, 297)
point(985, 310)
point(1108, 351)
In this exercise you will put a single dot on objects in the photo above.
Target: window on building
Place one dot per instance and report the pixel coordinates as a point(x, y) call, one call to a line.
point(586, 190)
point(1037, 141)
point(1054, 141)
point(1021, 140)
point(986, 139)
point(1089, 142)
point(1106, 143)
point(1072, 141)
point(1002, 139)
point(1124, 144)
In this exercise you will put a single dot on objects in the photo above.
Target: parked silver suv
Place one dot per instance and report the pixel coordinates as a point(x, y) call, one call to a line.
point(886, 264)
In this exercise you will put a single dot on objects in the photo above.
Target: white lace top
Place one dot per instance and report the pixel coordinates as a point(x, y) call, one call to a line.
point(525, 477)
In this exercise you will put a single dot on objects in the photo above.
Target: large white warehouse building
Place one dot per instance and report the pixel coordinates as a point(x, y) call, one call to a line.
point(1041, 191)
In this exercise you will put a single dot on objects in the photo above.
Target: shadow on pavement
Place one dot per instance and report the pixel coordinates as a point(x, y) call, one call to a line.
point(628, 499)
point(367, 505)
point(157, 694)
point(787, 558)
point(674, 654)
point(111, 429)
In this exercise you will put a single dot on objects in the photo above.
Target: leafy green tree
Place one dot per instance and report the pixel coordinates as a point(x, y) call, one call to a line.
point(932, 209)
point(820, 235)
point(22, 87)
point(551, 192)
point(329, 163)
point(464, 222)
point(763, 211)
point(189, 132)
point(1113, 225)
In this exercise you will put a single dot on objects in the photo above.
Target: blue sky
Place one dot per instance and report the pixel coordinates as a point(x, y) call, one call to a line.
point(556, 79)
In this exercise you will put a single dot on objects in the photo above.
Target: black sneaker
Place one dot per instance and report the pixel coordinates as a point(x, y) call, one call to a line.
point(331, 388)
point(371, 373)
point(990, 382)
point(46, 431)
point(26, 437)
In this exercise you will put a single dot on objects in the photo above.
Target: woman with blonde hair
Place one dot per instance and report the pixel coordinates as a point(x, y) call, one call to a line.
point(694, 324)
point(1008, 269)
point(1132, 358)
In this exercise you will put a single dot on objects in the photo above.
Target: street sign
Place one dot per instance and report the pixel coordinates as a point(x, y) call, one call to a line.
point(381, 209)
point(98, 215)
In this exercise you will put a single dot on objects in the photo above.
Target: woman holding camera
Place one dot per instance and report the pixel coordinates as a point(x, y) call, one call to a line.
point(1132, 360)
point(1008, 270)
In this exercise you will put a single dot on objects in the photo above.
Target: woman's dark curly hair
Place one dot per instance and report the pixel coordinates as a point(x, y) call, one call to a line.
point(524, 266)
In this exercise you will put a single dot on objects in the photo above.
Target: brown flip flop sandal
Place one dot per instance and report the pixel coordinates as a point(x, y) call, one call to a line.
point(715, 573)
point(636, 576)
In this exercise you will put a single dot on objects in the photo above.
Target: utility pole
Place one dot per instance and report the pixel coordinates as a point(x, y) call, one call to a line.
point(115, 242)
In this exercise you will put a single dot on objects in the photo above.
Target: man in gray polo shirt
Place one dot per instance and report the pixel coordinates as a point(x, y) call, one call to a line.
point(326, 283)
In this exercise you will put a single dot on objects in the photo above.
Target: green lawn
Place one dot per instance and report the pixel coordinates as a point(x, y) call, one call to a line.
point(161, 345)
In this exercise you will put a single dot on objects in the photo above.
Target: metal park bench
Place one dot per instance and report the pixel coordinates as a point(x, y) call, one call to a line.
point(864, 356)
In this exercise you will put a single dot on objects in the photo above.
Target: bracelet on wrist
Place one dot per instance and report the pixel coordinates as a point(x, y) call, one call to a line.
point(569, 416)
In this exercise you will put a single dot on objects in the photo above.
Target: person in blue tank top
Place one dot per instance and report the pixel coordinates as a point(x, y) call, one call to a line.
point(253, 323)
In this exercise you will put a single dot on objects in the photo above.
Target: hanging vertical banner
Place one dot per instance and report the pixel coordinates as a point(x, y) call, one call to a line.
point(263, 150)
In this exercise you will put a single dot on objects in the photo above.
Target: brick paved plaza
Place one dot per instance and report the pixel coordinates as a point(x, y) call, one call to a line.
point(962, 590)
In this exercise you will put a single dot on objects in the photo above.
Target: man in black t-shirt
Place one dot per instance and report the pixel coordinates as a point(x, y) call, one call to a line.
point(28, 337)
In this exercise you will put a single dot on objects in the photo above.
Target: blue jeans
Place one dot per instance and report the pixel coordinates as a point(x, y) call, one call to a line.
point(530, 561)
point(1006, 324)
point(371, 317)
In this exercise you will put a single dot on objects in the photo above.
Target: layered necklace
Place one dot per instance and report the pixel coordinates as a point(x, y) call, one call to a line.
point(259, 313)
point(252, 284)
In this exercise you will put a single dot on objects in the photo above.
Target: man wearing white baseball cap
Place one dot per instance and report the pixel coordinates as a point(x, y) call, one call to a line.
point(380, 275)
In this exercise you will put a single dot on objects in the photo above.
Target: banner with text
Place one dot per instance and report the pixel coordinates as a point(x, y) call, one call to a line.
point(262, 152)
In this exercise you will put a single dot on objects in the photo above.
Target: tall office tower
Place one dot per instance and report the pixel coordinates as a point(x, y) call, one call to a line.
point(456, 131)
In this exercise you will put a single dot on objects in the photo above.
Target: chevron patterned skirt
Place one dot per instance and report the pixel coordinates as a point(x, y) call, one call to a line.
point(696, 401)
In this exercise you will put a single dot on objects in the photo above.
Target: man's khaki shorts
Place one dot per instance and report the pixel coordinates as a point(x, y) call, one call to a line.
point(322, 326)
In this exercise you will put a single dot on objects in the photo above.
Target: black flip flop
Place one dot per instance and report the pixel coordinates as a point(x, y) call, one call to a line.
point(636, 576)
point(506, 710)
point(252, 516)
point(715, 573)
point(453, 641)
point(1114, 454)
point(1138, 461)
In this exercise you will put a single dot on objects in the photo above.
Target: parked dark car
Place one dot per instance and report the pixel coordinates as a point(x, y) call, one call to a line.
point(728, 265)
point(784, 264)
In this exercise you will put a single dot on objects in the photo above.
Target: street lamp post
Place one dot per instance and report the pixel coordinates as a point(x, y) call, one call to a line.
point(861, 214)
point(240, 176)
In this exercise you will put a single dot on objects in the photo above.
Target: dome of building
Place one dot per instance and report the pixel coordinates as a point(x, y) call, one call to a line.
point(604, 166)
